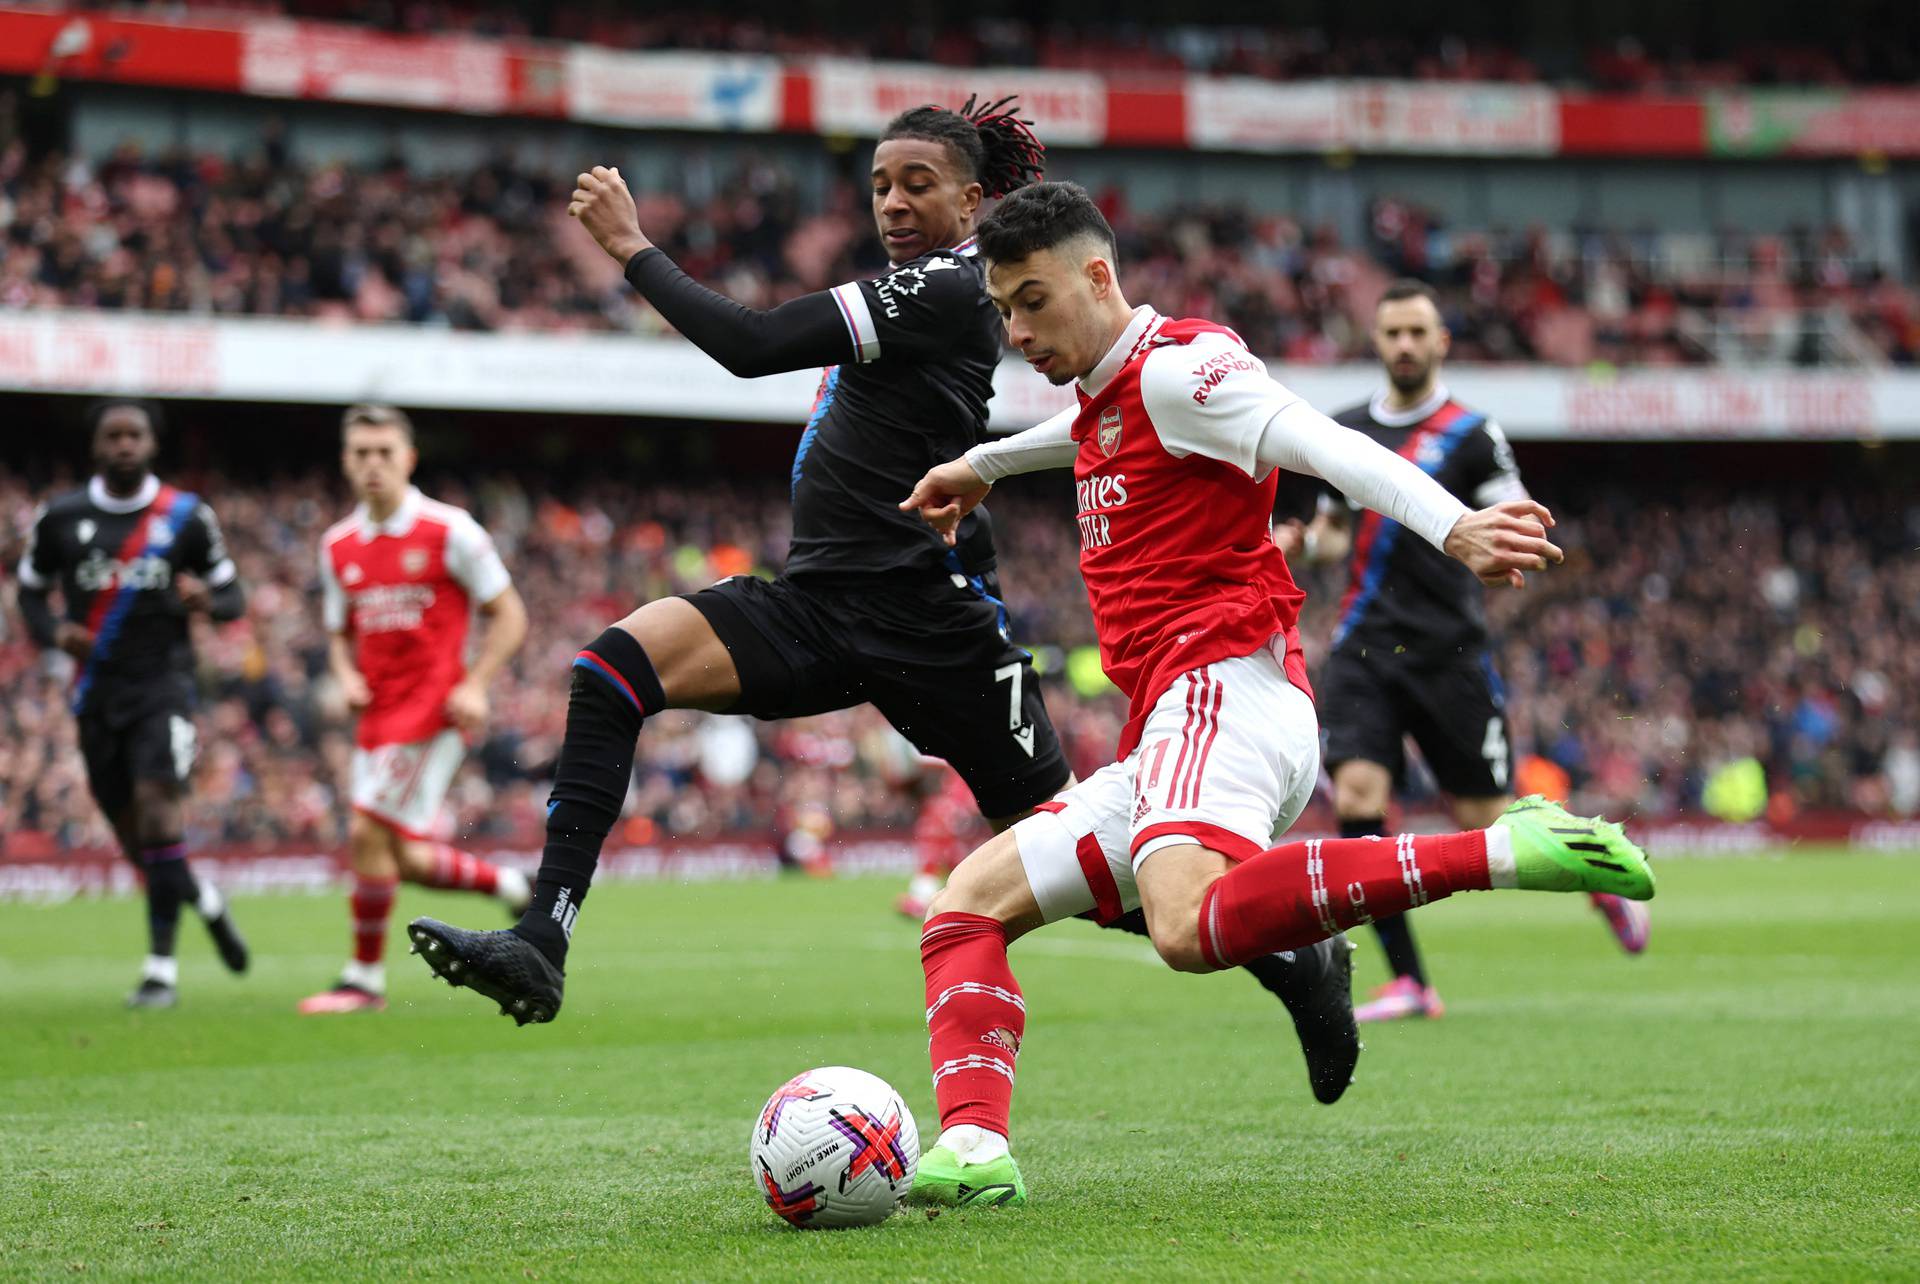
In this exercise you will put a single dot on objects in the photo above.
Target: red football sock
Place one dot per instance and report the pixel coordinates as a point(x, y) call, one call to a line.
point(371, 903)
point(456, 871)
point(975, 1017)
point(1290, 896)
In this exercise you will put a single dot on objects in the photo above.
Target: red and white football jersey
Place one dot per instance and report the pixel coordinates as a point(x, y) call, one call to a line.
point(404, 591)
point(1176, 512)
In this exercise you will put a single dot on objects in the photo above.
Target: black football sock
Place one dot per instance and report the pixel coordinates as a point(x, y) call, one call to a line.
point(614, 689)
point(1395, 933)
point(169, 886)
point(1396, 938)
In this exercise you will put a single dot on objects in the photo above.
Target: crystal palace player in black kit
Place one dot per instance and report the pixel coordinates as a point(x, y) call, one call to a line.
point(873, 606)
point(131, 558)
point(1411, 655)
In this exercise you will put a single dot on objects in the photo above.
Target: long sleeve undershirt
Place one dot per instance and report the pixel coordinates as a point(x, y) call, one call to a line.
point(796, 335)
point(1254, 424)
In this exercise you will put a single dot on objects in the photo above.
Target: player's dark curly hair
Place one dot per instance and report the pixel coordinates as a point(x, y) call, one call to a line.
point(1041, 217)
point(998, 148)
point(98, 410)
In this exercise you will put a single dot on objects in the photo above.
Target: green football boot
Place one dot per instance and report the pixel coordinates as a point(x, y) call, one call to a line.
point(1557, 851)
point(942, 1179)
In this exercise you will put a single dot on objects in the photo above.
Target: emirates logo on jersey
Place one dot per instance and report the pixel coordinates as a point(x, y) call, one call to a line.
point(413, 561)
point(391, 608)
point(1109, 430)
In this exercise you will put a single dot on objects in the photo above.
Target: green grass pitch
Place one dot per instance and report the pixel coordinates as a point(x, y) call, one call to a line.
point(1743, 1102)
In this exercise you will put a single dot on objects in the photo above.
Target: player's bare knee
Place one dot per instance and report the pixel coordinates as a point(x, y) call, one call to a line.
point(1175, 937)
point(966, 892)
point(1177, 941)
point(991, 883)
point(369, 846)
point(1478, 813)
point(414, 859)
point(694, 667)
point(1361, 790)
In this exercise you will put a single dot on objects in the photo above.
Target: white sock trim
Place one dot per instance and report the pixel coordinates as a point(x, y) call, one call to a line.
point(1501, 870)
point(212, 904)
point(368, 976)
point(161, 968)
point(972, 1144)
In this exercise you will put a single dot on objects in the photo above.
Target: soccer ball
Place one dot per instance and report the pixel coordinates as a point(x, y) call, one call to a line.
point(834, 1147)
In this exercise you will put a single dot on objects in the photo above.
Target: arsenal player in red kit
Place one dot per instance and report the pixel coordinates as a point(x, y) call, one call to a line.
point(402, 576)
point(1174, 442)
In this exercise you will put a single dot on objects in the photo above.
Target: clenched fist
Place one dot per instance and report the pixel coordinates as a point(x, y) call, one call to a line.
point(605, 208)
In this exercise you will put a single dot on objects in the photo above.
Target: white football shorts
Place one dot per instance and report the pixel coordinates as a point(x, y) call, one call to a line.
point(405, 785)
point(1229, 757)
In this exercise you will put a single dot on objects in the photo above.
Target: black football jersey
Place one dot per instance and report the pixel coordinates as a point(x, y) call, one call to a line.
point(113, 561)
point(1403, 594)
point(927, 342)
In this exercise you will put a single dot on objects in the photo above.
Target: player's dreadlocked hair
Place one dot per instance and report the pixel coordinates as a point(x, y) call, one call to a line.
point(998, 147)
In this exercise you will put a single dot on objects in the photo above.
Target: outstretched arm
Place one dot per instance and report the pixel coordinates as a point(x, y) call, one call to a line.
point(951, 490)
point(799, 334)
point(1217, 400)
point(1048, 444)
point(1498, 544)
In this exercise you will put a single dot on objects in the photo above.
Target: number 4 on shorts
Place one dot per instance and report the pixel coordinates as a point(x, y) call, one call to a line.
point(1494, 749)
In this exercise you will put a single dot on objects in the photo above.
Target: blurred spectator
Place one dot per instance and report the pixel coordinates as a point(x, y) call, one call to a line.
point(493, 250)
point(1676, 639)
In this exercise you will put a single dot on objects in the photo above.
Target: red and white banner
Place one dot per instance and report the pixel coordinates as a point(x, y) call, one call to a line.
point(1455, 119)
point(1715, 404)
point(263, 359)
point(285, 59)
point(1814, 122)
point(673, 90)
point(1244, 115)
point(1068, 108)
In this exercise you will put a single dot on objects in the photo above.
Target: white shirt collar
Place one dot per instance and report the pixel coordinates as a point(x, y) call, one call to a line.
point(398, 522)
point(1138, 331)
point(1407, 418)
point(106, 502)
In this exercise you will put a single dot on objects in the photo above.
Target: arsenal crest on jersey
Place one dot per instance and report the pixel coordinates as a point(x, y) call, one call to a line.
point(1109, 430)
point(413, 560)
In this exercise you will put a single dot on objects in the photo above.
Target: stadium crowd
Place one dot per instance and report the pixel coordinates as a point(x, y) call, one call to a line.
point(1786, 611)
point(1419, 51)
point(489, 249)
